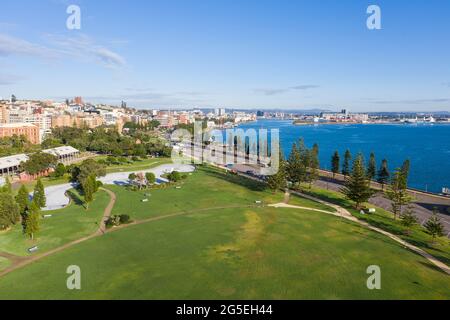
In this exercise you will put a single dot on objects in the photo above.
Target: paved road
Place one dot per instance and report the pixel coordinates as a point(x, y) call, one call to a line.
point(56, 195)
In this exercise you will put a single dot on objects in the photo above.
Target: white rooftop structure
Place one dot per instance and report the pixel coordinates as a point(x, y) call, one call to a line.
point(61, 151)
point(11, 164)
point(12, 161)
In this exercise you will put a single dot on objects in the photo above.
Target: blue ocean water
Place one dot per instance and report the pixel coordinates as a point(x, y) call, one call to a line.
point(427, 146)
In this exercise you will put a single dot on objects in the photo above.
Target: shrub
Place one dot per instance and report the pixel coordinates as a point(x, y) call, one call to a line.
point(117, 220)
point(124, 219)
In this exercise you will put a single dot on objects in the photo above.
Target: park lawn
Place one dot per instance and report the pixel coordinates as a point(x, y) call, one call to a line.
point(141, 164)
point(68, 224)
point(206, 188)
point(240, 253)
point(440, 248)
point(4, 263)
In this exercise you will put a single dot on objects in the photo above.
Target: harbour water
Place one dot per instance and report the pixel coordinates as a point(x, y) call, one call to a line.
point(427, 146)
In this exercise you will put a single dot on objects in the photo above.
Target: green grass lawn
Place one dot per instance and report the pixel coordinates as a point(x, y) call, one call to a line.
point(250, 253)
point(383, 219)
point(224, 246)
point(206, 188)
point(4, 263)
point(142, 164)
point(66, 225)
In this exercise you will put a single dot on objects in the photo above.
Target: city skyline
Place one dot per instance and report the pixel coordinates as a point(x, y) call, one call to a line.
point(252, 55)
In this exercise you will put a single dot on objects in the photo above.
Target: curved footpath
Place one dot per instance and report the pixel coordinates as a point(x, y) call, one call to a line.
point(344, 213)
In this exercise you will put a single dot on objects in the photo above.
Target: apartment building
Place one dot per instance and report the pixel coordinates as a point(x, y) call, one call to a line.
point(30, 131)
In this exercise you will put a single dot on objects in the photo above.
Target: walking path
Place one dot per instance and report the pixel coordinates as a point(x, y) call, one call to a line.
point(341, 212)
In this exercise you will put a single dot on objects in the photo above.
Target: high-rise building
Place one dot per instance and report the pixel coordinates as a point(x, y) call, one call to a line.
point(4, 114)
point(78, 100)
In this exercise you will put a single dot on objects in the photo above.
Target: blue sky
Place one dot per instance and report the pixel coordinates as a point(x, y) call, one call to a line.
point(247, 53)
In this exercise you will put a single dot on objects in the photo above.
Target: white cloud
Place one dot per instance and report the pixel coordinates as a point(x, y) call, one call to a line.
point(9, 79)
point(15, 46)
point(85, 47)
point(81, 47)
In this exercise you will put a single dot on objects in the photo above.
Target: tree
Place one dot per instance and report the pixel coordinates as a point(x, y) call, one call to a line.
point(405, 171)
point(39, 194)
point(88, 167)
point(39, 162)
point(312, 164)
point(60, 170)
point(7, 187)
point(357, 187)
point(434, 226)
point(23, 200)
point(408, 219)
point(296, 170)
point(335, 163)
point(88, 190)
point(346, 164)
point(140, 177)
point(383, 174)
point(174, 176)
point(132, 176)
point(278, 180)
point(32, 220)
point(151, 178)
point(9, 211)
point(397, 193)
point(372, 167)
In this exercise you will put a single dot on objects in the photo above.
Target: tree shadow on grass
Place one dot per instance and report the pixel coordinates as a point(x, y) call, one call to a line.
point(235, 179)
point(75, 198)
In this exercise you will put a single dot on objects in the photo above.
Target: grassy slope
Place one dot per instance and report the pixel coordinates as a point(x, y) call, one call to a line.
point(4, 263)
point(138, 165)
point(253, 253)
point(384, 220)
point(66, 225)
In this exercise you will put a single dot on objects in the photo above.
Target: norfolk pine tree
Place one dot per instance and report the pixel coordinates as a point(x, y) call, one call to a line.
point(88, 191)
point(335, 163)
point(32, 220)
point(346, 164)
point(383, 174)
point(372, 167)
point(278, 180)
point(434, 226)
point(294, 167)
point(408, 219)
point(9, 211)
point(397, 192)
point(39, 194)
point(357, 187)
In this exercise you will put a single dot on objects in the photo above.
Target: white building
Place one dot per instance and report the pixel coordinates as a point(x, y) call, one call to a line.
point(11, 165)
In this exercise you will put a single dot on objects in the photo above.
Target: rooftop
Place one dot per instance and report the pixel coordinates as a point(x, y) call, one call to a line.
point(16, 125)
point(15, 160)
